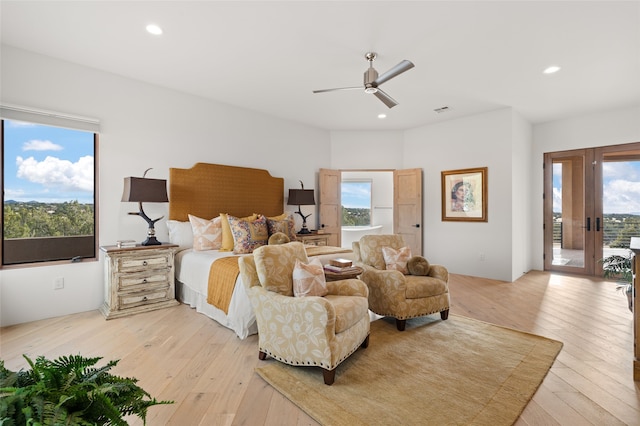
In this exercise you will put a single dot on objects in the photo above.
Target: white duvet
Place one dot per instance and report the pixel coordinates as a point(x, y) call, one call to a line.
point(192, 281)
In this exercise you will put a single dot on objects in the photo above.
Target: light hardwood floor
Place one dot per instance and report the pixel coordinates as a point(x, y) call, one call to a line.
point(181, 355)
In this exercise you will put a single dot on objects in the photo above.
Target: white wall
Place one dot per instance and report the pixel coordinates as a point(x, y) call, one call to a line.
point(521, 213)
point(612, 127)
point(142, 126)
point(483, 140)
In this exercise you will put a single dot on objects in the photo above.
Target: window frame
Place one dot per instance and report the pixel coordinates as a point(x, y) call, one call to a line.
point(67, 123)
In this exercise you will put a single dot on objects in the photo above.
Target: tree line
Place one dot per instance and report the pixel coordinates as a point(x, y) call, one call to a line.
point(35, 219)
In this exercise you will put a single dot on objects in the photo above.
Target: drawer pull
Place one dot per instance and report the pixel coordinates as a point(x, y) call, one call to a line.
point(144, 299)
point(144, 263)
point(144, 281)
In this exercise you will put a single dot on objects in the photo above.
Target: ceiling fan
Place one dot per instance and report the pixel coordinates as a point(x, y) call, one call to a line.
point(372, 80)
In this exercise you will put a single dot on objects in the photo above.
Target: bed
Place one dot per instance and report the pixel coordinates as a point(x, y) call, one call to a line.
point(204, 191)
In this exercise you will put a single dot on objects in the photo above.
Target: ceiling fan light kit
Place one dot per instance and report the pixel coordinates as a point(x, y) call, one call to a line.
point(372, 80)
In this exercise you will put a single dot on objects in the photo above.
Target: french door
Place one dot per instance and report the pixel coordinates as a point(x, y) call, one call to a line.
point(591, 206)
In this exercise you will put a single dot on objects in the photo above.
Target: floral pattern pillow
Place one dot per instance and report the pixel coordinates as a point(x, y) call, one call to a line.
point(285, 225)
point(248, 235)
point(207, 234)
point(309, 279)
point(396, 260)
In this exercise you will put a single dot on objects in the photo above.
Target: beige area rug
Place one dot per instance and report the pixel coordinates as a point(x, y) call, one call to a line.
point(455, 372)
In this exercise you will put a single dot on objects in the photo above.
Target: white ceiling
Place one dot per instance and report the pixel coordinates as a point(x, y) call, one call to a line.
point(268, 56)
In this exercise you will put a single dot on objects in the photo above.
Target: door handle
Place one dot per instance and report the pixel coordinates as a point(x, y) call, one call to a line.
point(598, 224)
point(588, 224)
point(417, 225)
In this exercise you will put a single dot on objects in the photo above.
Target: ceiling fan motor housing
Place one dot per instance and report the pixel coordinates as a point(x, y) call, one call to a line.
point(370, 76)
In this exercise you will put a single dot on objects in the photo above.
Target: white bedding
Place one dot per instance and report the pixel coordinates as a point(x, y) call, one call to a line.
point(192, 280)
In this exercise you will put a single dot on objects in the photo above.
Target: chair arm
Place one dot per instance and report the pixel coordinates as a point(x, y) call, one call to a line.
point(440, 272)
point(350, 287)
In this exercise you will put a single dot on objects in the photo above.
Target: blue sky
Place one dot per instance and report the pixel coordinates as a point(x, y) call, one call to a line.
point(356, 194)
point(621, 187)
point(48, 164)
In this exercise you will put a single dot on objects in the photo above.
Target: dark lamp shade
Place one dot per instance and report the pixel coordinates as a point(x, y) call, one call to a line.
point(143, 190)
point(301, 197)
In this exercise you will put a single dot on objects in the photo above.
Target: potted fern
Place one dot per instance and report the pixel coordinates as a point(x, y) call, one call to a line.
point(70, 391)
point(618, 267)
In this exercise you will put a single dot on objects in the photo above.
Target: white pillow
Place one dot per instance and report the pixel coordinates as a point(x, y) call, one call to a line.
point(309, 279)
point(207, 234)
point(396, 260)
point(180, 233)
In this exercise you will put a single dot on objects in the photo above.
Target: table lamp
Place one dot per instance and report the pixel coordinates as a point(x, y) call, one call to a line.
point(144, 190)
point(302, 197)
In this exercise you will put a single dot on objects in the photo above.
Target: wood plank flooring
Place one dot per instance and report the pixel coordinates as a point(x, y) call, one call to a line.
point(181, 355)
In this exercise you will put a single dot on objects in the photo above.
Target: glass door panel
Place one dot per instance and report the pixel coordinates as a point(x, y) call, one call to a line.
point(620, 186)
point(569, 221)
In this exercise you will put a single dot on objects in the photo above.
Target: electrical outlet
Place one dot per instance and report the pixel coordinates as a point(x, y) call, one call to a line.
point(58, 283)
point(481, 257)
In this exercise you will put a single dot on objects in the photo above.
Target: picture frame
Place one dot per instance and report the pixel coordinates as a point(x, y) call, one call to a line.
point(464, 195)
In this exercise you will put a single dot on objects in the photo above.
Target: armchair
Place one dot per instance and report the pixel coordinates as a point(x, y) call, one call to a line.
point(313, 330)
point(393, 294)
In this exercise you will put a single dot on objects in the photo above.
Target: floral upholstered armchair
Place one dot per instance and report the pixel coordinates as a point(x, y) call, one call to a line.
point(396, 293)
point(310, 330)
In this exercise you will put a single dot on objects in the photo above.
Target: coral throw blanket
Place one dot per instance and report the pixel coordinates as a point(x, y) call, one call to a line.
point(222, 280)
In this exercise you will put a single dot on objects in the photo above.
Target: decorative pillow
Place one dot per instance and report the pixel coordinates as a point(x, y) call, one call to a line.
point(278, 238)
point(396, 260)
point(248, 235)
point(180, 233)
point(286, 225)
point(418, 265)
point(227, 236)
point(207, 234)
point(308, 279)
point(274, 265)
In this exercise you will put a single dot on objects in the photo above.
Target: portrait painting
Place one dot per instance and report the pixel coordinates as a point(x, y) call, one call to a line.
point(464, 195)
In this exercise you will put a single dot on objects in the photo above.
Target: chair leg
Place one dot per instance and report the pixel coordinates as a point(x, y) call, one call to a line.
point(329, 376)
point(365, 344)
point(400, 324)
point(444, 314)
point(262, 355)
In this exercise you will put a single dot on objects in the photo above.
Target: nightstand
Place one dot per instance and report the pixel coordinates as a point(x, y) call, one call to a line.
point(138, 279)
point(314, 239)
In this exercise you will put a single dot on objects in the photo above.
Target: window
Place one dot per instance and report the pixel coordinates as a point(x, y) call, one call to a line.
point(49, 193)
point(356, 202)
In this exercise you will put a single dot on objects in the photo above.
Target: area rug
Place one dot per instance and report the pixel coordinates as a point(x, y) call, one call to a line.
point(455, 372)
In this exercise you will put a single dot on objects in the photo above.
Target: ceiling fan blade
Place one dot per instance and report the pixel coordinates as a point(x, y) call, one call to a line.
point(393, 72)
point(339, 88)
point(386, 99)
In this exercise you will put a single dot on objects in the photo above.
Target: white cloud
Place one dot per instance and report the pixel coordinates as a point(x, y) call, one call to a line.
point(621, 196)
point(14, 123)
point(57, 174)
point(557, 199)
point(37, 145)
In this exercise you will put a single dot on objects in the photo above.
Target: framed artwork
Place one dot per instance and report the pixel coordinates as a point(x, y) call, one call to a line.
point(464, 195)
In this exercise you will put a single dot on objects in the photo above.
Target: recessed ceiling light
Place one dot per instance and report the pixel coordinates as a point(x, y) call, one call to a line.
point(381, 116)
point(154, 29)
point(552, 69)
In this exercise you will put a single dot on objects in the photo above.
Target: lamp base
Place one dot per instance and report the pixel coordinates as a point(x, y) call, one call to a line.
point(304, 231)
point(151, 241)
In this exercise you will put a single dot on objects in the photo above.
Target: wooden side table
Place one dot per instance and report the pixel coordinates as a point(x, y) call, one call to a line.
point(314, 239)
point(138, 279)
point(337, 276)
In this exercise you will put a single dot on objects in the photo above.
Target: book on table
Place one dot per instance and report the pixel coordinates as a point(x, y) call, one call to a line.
point(338, 269)
point(340, 263)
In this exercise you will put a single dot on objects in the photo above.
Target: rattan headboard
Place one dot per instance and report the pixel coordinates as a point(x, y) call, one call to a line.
point(206, 190)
